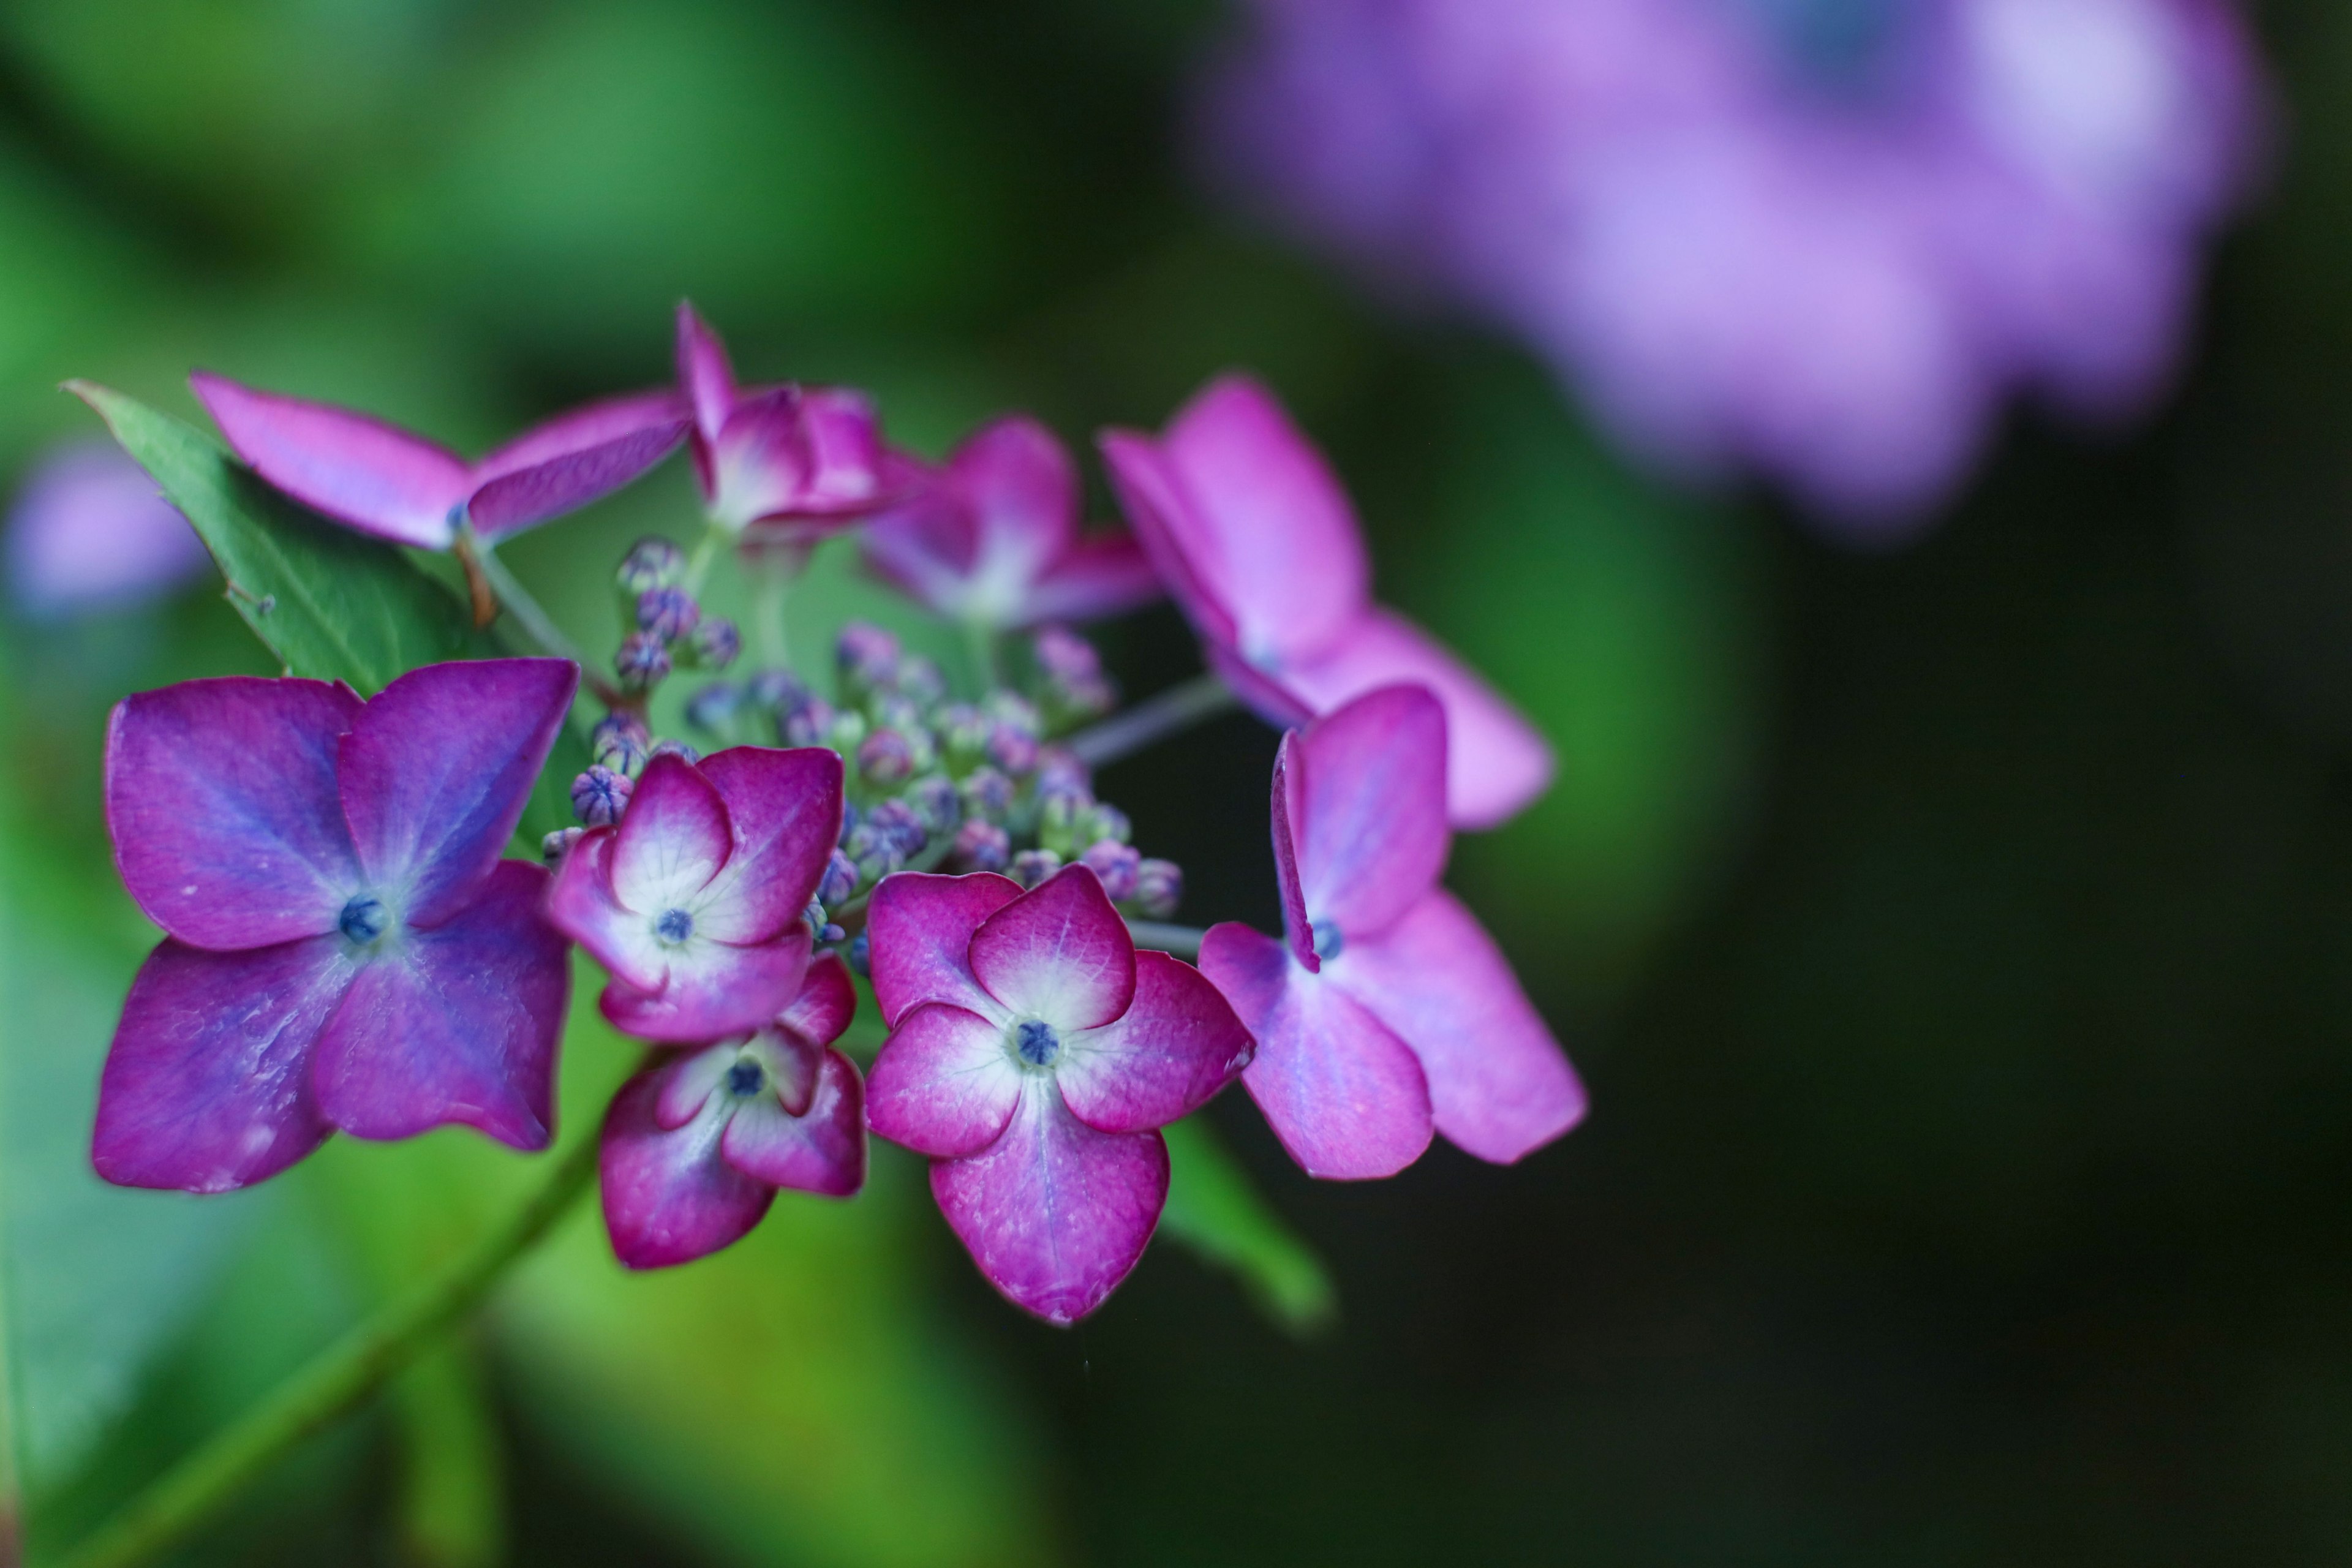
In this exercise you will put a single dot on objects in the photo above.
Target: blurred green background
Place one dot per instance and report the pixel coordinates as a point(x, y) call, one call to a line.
point(1958, 943)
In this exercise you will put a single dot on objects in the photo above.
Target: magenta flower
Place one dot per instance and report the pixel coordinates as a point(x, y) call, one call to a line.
point(88, 530)
point(695, 1149)
point(1034, 1054)
point(1257, 540)
point(1387, 1011)
point(992, 539)
point(344, 947)
point(382, 480)
point(694, 902)
point(1826, 240)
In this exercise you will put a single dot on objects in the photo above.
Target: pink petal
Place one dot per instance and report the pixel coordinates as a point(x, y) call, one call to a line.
point(761, 461)
point(1496, 762)
point(1498, 1083)
point(670, 1197)
point(793, 1065)
point(436, 769)
point(826, 1003)
point(674, 838)
point(920, 928)
point(1149, 495)
point(822, 1151)
point(926, 546)
point(785, 808)
point(1347, 1098)
point(207, 1085)
point(573, 460)
point(1177, 1045)
point(711, 989)
point(1106, 574)
point(1059, 952)
point(360, 470)
point(221, 800)
point(460, 1025)
point(703, 372)
point(581, 905)
point(1022, 489)
point(685, 1086)
point(847, 462)
point(944, 1083)
point(1368, 781)
point(1054, 1212)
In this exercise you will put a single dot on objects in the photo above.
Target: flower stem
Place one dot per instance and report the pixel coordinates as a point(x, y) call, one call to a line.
point(537, 625)
point(772, 587)
point(979, 642)
point(1184, 941)
point(706, 550)
point(334, 1383)
point(1156, 717)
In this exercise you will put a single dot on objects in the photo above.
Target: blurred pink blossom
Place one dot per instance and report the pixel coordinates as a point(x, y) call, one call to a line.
point(89, 531)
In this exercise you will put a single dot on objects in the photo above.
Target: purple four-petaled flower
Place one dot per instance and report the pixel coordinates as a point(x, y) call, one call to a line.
point(1034, 1054)
point(345, 947)
point(695, 1149)
point(1387, 1011)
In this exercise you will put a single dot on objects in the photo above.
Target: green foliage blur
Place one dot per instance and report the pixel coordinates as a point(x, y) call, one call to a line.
point(1958, 943)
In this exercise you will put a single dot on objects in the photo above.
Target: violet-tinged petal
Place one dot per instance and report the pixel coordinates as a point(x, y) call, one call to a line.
point(458, 1024)
point(849, 467)
point(675, 836)
point(1347, 1098)
point(703, 372)
point(1022, 489)
point(786, 809)
point(1287, 809)
point(922, 929)
point(207, 1084)
point(1498, 1083)
point(1054, 1212)
point(436, 769)
point(1155, 505)
point(88, 530)
point(670, 1197)
point(711, 989)
point(581, 905)
point(1175, 1048)
point(572, 460)
point(926, 545)
point(759, 460)
point(826, 1003)
point(791, 1062)
point(1059, 952)
point(357, 469)
point(587, 428)
point(821, 1150)
point(685, 1086)
point(1103, 574)
point(944, 1084)
point(221, 799)
point(1368, 780)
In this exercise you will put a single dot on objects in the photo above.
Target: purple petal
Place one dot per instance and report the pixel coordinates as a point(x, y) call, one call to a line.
point(459, 1024)
point(1059, 952)
point(436, 769)
point(826, 1003)
point(821, 1150)
point(920, 928)
point(926, 545)
point(1054, 1212)
point(1022, 490)
point(944, 1084)
point(1346, 1095)
point(1498, 1083)
point(89, 531)
point(703, 372)
point(1368, 781)
point(221, 800)
point(1106, 574)
point(847, 463)
point(760, 462)
point(711, 989)
point(573, 460)
point(1496, 762)
point(670, 1197)
point(786, 810)
point(675, 837)
point(1155, 506)
point(1287, 812)
point(207, 1085)
point(360, 470)
point(1178, 1045)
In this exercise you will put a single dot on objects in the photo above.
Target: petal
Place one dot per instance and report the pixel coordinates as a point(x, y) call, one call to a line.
point(925, 545)
point(1054, 1212)
point(1022, 489)
point(357, 469)
point(685, 1086)
point(1496, 762)
point(1177, 1045)
point(673, 840)
point(1103, 575)
point(670, 1197)
point(712, 989)
point(784, 807)
point(220, 797)
point(573, 460)
point(1346, 1095)
point(207, 1085)
point(944, 1084)
point(1368, 783)
point(1286, 810)
point(580, 904)
point(1498, 1083)
point(919, 930)
point(792, 1062)
point(436, 769)
point(821, 1151)
point(847, 462)
point(761, 461)
point(826, 1003)
point(703, 372)
point(459, 1024)
point(88, 530)
point(1058, 952)
point(1156, 509)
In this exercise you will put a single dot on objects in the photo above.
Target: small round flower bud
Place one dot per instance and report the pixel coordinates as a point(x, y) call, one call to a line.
point(885, 758)
point(668, 613)
point(850, 818)
point(1031, 867)
point(1059, 820)
point(779, 691)
point(642, 661)
point(866, 658)
point(873, 850)
point(713, 709)
point(1059, 772)
point(891, 712)
point(963, 730)
point(1013, 749)
point(650, 563)
point(599, 796)
point(810, 724)
point(981, 846)
point(715, 643)
point(921, 681)
point(898, 819)
point(1159, 888)
point(678, 749)
point(840, 879)
point(846, 732)
point(622, 754)
point(558, 844)
point(1111, 823)
point(935, 803)
point(858, 953)
point(613, 731)
point(819, 927)
point(987, 794)
point(1063, 655)
point(1115, 865)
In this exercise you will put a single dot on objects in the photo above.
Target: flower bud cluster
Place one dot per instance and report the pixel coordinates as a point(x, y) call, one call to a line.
point(668, 630)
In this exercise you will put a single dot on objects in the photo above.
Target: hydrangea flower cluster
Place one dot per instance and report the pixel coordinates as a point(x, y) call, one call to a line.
point(346, 948)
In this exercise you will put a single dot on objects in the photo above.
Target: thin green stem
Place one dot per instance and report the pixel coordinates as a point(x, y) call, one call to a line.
point(979, 642)
point(334, 1383)
point(715, 537)
point(1184, 941)
point(527, 612)
point(771, 587)
point(1155, 718)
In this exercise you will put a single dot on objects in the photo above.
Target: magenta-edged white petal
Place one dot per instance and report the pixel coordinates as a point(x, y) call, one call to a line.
point(1286, 810)
point(820, 1149)
point(1105, 575)
point(849, 467)
point(357, 469)
point(925, 545)
point(669, 1196)
point(684, 1086)
point(674, 838)
point(1368, 783)
point(574, 459)
point(1177, 1043)
point(1054, 1212)
point(703, 372)
point(221, 800)
point(581, 905)
point(436, 769)
point(785, 808)
point(207, 1084)
point(759, 460)
point(1347, 1098)
point(1156, 509)
point(1496, 762)
point(790, 1061)
point(920, 928)
point(1499, 1085)
point(945, 1082)
point(711, 989)
point(826, 1003)
point(1059, 952)
point(1017, 477)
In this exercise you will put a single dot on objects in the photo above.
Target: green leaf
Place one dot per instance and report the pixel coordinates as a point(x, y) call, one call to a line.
point(1212, 1209)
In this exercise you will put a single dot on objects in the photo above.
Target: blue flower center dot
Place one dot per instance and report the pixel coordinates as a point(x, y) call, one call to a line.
point(1327, 940)
point(745, 1078)
point(674, 925)
point(1037, 1043)
point(363, 919)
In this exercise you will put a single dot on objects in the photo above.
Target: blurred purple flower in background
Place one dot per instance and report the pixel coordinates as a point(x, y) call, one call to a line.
point(89, 531)
point(1824, 238)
